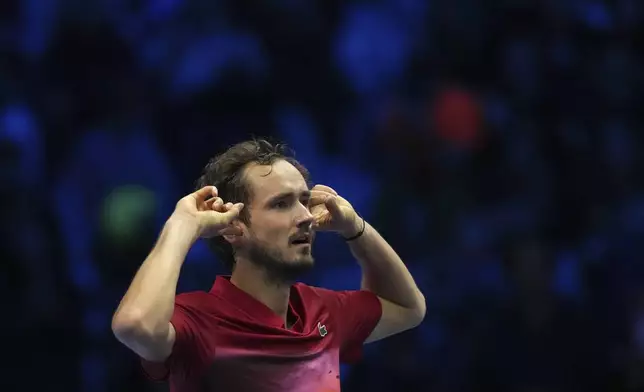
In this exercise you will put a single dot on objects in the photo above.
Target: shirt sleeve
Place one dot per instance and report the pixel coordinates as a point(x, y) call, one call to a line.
point(185, 353)
point(355, 313)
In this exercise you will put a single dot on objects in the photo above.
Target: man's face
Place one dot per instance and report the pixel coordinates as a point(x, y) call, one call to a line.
point(279, 234)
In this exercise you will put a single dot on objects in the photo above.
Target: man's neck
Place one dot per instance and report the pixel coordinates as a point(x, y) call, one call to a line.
point(254, 282)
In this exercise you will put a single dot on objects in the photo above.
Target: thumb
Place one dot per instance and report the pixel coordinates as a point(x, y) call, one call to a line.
point(233, 212)
point(331, 204)
point(215, 219)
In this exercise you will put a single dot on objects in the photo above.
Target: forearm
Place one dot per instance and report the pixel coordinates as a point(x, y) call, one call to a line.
point(148, 303)
point(383, 272)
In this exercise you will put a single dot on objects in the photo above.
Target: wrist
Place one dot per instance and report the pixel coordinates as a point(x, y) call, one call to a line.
point(182, 232)
point(355, 230)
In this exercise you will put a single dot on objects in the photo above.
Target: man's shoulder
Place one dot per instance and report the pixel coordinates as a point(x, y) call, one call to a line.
point(313, 293)
point(206, 304)
point(332, 297)
point(196, 299)
point(196, 295)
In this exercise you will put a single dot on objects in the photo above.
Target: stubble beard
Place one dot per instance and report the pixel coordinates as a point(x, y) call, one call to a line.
point(278, 269)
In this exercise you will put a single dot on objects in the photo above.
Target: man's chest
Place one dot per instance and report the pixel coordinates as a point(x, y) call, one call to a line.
point(302, 340)
point(265, 359)
point(248, 356)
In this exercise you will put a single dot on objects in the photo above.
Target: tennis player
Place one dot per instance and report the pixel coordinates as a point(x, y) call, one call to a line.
point(258, 329)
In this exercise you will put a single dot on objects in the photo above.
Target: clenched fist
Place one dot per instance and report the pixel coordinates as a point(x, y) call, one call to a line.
point(207, 212)
point(333, 212)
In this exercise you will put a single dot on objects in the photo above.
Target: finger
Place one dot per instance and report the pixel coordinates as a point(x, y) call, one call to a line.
point(204, 193)
point(228, 206)
point(317, 209)
point(317, 192)
point(320, 187)
point(322, 216)
point(318, 197)
point(220, 220)
point(215, 204)
point(321, 219)
point(331, 204)
point(213, 201)
point(233, 212)
point(206, 205)
point(231, 230)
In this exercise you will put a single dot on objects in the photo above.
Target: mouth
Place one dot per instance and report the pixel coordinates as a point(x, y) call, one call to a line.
point(303, 239)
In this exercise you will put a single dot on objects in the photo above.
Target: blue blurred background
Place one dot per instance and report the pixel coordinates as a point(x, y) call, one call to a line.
point(495, 144)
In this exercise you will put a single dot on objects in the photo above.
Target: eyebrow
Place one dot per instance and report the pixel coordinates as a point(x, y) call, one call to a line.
point(286, 195)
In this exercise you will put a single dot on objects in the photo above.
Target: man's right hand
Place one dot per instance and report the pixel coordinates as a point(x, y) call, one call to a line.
point(210, 215)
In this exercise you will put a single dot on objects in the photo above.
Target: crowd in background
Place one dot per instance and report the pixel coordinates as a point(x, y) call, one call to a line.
point(494, 144)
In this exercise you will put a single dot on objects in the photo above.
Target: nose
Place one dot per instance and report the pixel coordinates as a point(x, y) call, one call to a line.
point(305, 218)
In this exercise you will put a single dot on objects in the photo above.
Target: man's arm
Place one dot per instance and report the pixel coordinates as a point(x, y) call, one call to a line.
point(385, 274)
point(142, 320)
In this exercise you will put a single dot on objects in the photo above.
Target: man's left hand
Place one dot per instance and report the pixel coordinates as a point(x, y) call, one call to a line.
point(332, 212)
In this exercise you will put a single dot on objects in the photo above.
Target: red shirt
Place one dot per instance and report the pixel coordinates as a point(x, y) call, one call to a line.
point(227, 340)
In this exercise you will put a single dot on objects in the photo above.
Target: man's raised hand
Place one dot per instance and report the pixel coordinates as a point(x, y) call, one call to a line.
point(209, 214)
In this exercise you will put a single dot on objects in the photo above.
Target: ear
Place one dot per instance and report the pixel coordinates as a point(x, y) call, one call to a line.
point(234, 232)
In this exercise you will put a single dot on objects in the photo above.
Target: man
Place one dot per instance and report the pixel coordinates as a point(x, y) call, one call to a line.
point(258, 330)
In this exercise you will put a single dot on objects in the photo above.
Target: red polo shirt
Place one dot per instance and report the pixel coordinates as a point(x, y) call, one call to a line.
point(227, 340)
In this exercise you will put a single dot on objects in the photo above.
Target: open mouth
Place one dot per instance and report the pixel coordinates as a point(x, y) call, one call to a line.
point(303, 239)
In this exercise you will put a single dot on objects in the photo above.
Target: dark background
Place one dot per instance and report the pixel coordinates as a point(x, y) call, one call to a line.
point(494, 143)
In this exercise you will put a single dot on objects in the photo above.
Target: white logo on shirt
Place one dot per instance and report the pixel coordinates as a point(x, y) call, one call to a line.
point(322, 329)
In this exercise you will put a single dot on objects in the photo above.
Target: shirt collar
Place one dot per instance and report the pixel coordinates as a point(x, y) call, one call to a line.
point(225, 289)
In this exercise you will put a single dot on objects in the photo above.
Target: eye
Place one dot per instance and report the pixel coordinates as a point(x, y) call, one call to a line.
point(281, 204)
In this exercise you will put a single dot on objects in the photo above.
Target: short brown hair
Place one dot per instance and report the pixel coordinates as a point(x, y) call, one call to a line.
point(225, 171)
